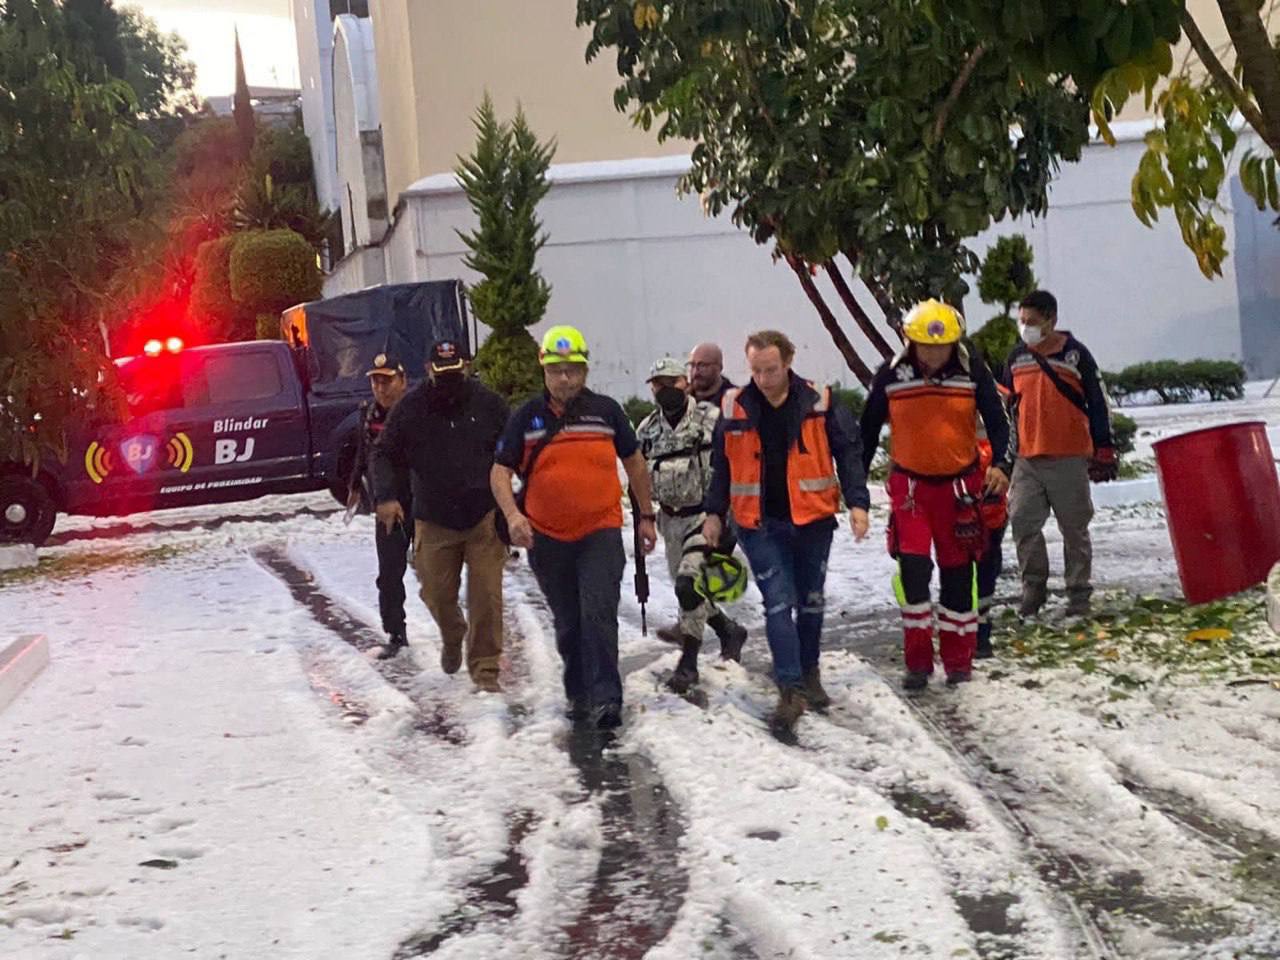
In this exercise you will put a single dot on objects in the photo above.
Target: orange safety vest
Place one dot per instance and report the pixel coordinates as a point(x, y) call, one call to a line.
point(933, 424)
point(811, 476)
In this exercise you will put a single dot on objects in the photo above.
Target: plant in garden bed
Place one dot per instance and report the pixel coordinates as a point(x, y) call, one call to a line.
point(505, 178)
point(1135, 641)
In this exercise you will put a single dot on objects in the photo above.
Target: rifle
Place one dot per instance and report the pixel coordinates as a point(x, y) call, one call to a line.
point(642, 575)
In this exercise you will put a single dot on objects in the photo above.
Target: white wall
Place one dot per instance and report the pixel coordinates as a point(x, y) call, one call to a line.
point(315, 50)
point(355, 101)
point(644, 272)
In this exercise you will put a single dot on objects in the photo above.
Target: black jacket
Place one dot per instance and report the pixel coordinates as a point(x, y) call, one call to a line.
point(843, 438)
point(445, 448)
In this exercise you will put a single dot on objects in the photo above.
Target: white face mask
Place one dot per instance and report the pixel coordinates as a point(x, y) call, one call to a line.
point(1031, 335)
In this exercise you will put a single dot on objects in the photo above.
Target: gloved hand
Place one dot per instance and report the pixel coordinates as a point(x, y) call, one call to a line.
point(1104, 466)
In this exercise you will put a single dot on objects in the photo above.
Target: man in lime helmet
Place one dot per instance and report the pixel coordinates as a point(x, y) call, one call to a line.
point(932, 395)
point(565, 445)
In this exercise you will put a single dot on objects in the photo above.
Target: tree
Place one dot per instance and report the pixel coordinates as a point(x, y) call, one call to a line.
point(862, 138)
point(74, 176)
point(242, 107)
point(270, 270)
point(505, 178)
point(1189, 153)
point(1005, 278)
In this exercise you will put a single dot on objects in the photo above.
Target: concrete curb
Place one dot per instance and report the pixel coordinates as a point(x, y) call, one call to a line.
point(20, 661)
point(1273, 598)
point(15, 556)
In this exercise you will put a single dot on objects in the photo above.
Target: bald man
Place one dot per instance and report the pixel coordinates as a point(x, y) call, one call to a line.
point(705, 380)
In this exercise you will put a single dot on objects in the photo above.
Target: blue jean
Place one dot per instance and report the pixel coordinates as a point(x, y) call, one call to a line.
point(582, 581)
point(790, 568)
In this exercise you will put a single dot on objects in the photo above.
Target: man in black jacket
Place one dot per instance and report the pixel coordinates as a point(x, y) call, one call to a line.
point(442, 436)
point(387, 380)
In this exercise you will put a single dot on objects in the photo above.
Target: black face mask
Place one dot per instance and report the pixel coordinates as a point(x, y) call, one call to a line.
point(671, 400)
point(447, 387)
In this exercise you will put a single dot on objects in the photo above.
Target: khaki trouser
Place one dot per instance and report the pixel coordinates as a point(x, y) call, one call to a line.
point(678, 535)
point(438, 557)
point(1061, 485)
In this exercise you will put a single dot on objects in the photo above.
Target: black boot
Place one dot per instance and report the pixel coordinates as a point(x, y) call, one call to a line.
point(686, 672)
point(818, 697)
point(732, 636)
point(395, 643)
point(915, 679)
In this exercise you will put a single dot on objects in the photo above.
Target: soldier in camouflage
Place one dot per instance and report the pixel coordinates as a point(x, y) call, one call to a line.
point(676, 442)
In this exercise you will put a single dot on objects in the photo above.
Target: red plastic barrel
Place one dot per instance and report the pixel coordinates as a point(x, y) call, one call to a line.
point(1222, 499)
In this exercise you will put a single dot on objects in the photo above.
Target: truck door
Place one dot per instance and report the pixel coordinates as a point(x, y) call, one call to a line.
point(242, 408)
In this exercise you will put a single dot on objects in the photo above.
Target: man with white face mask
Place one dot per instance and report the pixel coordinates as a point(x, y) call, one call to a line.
point(1063, 439)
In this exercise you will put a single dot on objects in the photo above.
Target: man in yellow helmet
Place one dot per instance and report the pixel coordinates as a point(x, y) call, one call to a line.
point(565, 446)
point(932, 395)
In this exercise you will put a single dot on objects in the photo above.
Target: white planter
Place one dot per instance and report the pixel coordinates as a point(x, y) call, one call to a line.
point(15, 556)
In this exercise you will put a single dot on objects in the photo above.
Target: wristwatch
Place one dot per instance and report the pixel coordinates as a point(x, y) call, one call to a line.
point(649, 516)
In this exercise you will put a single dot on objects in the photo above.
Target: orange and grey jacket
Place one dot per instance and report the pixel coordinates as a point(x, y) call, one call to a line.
point(1048, 424)
point(933, 420)
point(824, 457)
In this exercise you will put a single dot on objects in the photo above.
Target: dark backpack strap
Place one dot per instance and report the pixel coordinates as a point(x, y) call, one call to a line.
point(527, 474)
point(1076, 399)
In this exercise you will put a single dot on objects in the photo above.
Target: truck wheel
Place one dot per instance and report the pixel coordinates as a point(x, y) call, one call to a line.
point(27, 515)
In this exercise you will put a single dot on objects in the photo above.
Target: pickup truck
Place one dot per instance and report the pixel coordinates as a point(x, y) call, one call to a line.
point(235, 421)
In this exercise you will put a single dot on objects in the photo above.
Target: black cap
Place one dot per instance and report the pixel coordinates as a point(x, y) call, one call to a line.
point(386, 365)
point(447, 356)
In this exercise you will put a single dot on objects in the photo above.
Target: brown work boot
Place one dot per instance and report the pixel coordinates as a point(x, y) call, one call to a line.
point(486, 681)
point(451, 659)
point(671, 634)
point(791, 704)
point(813, 690)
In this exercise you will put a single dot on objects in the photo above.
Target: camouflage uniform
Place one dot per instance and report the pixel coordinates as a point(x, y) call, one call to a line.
point(679, 461)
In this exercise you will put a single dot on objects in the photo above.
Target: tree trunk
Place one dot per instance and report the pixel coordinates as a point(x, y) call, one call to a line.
point(892, 315)
point(859, 315)
point(838, 336)
point(1258, 61)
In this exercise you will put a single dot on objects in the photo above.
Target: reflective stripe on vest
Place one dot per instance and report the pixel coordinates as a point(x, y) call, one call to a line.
point(933, 426)
point(811, 479)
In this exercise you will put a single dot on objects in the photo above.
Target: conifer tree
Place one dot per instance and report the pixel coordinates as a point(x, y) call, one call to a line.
point(505, 178)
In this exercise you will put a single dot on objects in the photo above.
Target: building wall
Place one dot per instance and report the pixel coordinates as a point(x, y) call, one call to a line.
point(360, 173)
point(315, 50)
point(437, 60)
point(397, 96)
point(644, 272)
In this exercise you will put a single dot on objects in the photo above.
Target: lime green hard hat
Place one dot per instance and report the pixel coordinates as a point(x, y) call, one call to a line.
point(723, 578)
point(563, 344)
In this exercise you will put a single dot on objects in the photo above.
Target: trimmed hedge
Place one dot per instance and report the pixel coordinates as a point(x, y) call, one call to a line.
point(507, 363)
point(1175, 381)
point(273, 269)
point(1123, 430)
point(637, 408)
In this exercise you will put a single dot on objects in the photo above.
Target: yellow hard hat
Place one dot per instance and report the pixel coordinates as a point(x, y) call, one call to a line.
point(933, 322)
point(563, 344)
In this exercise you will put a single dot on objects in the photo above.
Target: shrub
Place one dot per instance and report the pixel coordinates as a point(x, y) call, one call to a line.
point(214, 309)
point(1174, 381)
point(637, 408)
point(851, 397)
point(996, 340)
point(268, 326)
point(508, 365)
point(1123, 430)
point(272, 270)
point(1006, 276)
